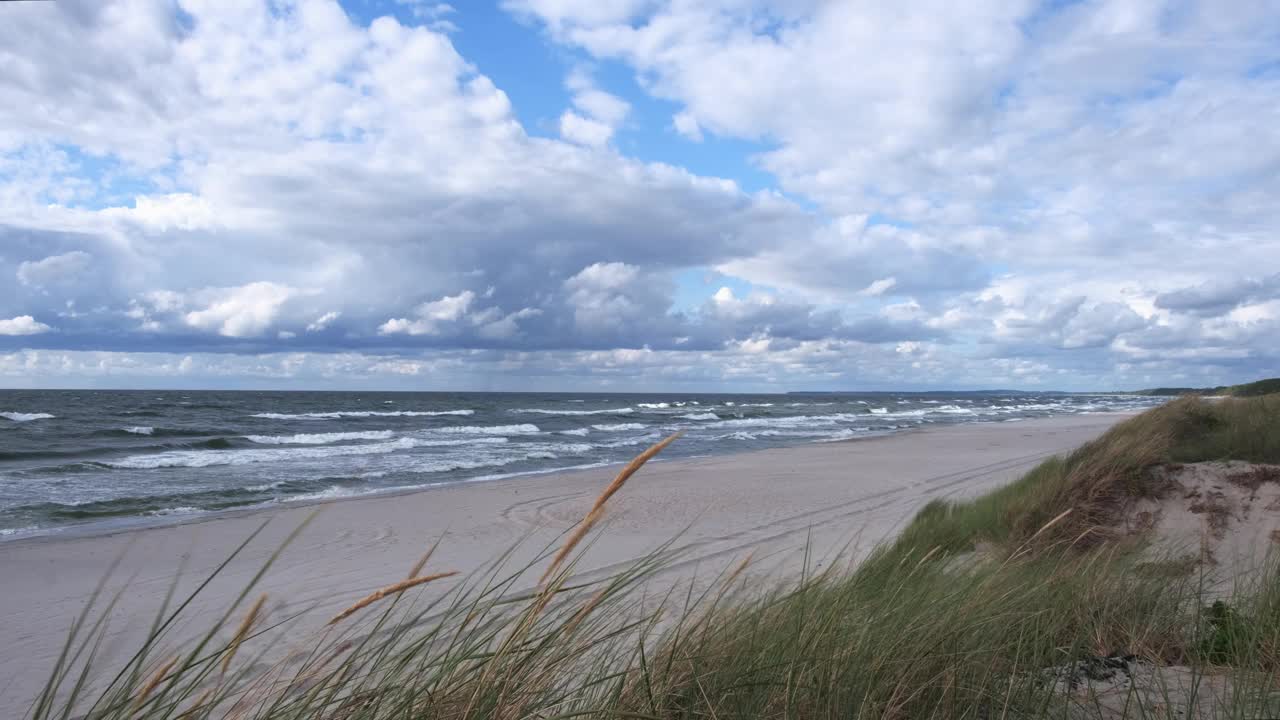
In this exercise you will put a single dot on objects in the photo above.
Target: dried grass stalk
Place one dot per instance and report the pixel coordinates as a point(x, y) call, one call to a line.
point(597, 509)
point(156, 678)
point(738, 570)
point(389, 590)
point(245, 626)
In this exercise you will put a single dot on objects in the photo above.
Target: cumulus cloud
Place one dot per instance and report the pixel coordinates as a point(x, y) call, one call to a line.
point(431, 315)
point(596, 115)
point(584, 130)
point(22, 325)
point(323, 322)
point(55, 269)
point(243, 311)
point(1219, 296)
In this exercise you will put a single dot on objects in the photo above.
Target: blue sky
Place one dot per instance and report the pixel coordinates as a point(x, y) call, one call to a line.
point(638, 194)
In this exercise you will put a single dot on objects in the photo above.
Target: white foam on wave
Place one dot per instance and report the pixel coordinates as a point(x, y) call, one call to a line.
point(318, 438)
point(542, 411)
point(183, 510)
point(541, 471)
point(620, 427)
point(521, 429)
point(701, 416)
point(844, 434)
point(921, 412)
point(813, 436)
point(207, 458)
point(25, 417)
point(482, 440)
point(361, 413)
point(140, 430)
point(338, 491)
point(332, 492)
point(748, 435)
point(546, 450)
point(335, 492)
point(951, 410)
point(792, 421)
point(642, 440)
point(654, 406)
point(580, 432)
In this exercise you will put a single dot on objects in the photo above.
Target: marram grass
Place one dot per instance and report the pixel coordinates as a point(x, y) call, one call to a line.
point(925, 627)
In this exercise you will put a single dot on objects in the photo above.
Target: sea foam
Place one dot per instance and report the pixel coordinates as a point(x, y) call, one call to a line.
point(318, 438)
point(25, 417)
point(333, 415)
point(619, 427)
point(542, 411)
point(521, 429)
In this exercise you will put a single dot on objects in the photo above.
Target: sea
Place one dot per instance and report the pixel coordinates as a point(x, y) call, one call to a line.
point(74, 460)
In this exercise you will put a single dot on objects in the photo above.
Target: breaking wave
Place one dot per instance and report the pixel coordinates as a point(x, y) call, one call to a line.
point(25, 417)
point(333, 415)
point(521, 429)
point(541, 411)
point(619, 427)
point(318, 438)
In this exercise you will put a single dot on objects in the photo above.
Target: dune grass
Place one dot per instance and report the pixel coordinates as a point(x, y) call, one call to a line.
point(1096, 481)
point(923, 627)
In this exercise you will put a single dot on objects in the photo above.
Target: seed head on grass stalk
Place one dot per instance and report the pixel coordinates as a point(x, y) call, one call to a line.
point(245, 625)
point(597, 509)
point(388, 590)
point(156, 678)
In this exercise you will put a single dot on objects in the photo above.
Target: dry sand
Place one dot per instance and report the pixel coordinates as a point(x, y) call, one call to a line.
point(1226, 514)
point(836, 495)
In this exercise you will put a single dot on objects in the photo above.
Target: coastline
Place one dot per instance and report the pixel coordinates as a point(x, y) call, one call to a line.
point(837, 495)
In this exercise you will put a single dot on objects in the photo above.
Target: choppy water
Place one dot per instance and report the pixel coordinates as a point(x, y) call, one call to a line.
point(73, 457)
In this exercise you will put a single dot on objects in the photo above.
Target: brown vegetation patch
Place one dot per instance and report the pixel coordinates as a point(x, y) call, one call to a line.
point(1255, 476)
point(1216, 510)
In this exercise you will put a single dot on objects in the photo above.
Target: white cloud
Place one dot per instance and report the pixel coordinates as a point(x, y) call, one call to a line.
point(687, 125)
point(431, 315)
point(54, 269)
point(22, 325)
point(244, 311)
point(182, 211)
point(583, 130)
point(323, 321)
point(597, 114)
point(880, 287)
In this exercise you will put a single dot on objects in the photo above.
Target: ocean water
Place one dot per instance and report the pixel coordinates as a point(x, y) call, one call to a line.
point(72, 458)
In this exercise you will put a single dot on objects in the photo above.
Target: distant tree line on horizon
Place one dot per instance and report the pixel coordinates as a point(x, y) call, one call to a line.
point(1260, 387)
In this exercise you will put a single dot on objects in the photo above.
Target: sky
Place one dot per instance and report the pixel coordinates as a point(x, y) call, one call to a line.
point(648, 195)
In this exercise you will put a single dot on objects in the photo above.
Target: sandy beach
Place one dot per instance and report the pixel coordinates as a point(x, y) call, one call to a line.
point(835, 495)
